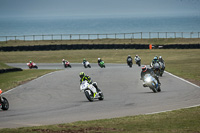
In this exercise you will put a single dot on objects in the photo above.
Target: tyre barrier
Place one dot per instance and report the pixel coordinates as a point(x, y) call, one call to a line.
point(96, 46)
point(10, 70)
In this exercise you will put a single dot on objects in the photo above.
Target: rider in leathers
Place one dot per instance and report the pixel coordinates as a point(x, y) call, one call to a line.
point(129, 59)
point(87, 78)
point(146, 70)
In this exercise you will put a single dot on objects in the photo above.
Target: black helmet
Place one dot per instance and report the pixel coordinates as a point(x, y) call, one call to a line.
point(82, 74)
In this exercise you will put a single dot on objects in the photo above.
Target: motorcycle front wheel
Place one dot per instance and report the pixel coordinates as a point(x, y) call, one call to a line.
point(5, 104)
point(89, 97)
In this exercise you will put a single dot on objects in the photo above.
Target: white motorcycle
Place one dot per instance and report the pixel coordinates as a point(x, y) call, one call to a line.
point(152, 83)
point(90, 91)
point(87, 64)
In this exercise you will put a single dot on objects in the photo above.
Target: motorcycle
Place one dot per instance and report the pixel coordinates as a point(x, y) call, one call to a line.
point(66, 64)
point(32, 66)
point(90, 91)
point(152, 83)
point(4, 105)
point(86, 64)
point(130, 63)
point(138, 61)
point(162, 68)
point(156, 68)
point(101, 64)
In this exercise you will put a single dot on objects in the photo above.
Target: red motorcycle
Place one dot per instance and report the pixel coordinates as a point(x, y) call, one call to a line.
point(32, 65)
point(66, 64)
point(4, 105)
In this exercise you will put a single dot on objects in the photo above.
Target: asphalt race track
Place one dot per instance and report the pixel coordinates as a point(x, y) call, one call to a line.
point(56, 98)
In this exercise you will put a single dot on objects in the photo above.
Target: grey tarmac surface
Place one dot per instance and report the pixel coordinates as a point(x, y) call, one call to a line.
point(55, 98)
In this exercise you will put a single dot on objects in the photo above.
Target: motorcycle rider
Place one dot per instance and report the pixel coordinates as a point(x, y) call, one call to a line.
point(31, 63)
point(99, 60)
point(84, 61)
point(146, 70)
point(129, 59)
point(137, 58)
point(155, 60)
point(161, 59)
point(88, 79)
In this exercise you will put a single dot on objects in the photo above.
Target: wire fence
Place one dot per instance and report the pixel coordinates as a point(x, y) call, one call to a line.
point(135, 35)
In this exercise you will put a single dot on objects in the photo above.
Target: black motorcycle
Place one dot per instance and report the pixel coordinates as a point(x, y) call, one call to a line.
point(4, 105)
point(129, 62)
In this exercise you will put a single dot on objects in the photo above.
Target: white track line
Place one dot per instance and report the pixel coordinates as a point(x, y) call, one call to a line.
point(171, 110)
point(32, 80)
point(182, 79)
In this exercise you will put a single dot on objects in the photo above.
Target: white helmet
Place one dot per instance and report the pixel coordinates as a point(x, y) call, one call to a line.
point(98, 58)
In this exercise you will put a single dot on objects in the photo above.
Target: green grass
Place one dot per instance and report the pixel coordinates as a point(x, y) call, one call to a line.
point(179, 121)
point(155, 41)
point(4, 66)
point(12, 79)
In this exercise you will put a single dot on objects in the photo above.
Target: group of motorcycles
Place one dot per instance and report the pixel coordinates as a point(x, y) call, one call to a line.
point(130, 62)
point(158, 68)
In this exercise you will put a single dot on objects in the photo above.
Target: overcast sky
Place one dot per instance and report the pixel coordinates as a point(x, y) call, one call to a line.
point(52, 8)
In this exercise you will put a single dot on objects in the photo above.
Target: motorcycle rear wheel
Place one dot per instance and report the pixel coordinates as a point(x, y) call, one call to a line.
point(101, 96)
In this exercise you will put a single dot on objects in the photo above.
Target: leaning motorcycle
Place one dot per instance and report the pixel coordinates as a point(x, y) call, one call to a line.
point(86, 64)
point(138, 61)
point(152, 83)
point(66, 64)
point(90, 91)
point(101, 64)
point(162, 65)
point(156, 69)
point(32, 66)
point(4, 105)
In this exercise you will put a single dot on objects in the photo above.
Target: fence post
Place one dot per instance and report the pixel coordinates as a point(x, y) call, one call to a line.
point(24, 38)
point(6, 39)
point(166, 35)
point(182, 34)
point(158, 35)
point(141, 35)
point(198, 34)
point(149, 35)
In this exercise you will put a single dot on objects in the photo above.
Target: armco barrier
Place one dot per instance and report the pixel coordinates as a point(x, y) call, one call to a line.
point(96, 46)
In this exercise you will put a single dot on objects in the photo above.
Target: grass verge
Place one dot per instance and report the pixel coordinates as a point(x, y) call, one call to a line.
point(155, 41)
point(179, 121)
point(12, 79)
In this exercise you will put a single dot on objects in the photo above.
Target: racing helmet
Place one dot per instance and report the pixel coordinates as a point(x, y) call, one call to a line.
point(30, 61)
point(160, 57)
point(144, 69)
point(82, 74)
point(136, 55)
point(63, 59)
point(98, 58)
